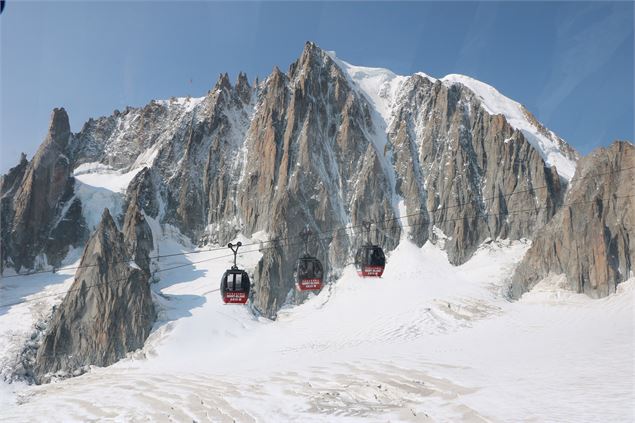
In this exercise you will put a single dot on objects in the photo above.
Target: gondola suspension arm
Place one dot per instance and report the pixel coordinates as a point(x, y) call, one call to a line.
point(234, 248)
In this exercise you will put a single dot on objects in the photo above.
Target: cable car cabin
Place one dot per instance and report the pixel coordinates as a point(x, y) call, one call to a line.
point(309, 274)
point(370, 261)
point(234, 286)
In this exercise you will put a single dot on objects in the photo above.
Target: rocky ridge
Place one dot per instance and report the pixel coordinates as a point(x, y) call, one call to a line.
point(107, 312)
point(322, 146)
point(37, 209)
point(590, 239)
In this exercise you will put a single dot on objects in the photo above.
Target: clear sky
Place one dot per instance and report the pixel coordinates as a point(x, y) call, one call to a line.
point(570, 63)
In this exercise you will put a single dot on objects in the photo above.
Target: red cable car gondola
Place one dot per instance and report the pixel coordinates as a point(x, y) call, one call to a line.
point(309, 271)
point(309, 274)
point(370, 260)
point(235, 283)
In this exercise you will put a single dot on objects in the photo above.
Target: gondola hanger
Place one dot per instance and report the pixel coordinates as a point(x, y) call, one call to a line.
point(309, 272)
point(235, 283)
point(370, 260)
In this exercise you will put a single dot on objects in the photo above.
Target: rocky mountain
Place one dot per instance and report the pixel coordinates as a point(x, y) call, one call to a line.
point(108, 310)
point(138, 237)
point(325, 145)
point(590, 239)
point(465, 169)
point(9, 184)
point(38, 203)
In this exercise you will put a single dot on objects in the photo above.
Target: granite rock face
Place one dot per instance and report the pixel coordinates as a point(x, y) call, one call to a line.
point(41, 201)
point(311, 161)
point(462, 170)
point(591, 238)
point(138, 237)
point(141, 199)
point(9, 184)
point(107, 312)
point(313, 147)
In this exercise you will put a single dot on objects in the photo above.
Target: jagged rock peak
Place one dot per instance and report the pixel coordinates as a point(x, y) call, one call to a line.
point(59, 127)
point(243, 88)
point(312, 49)
point(223, 82)
point(107, 312)
point(590, 239)
point(107, 223)
point(9, 184)
point(14, 176)
point(242, 79)
point(142, 191)
point(311, 56)
point(138, 236)
point(276, 80)
point(277, 73)
point(46, 185)
point(105, 233)
point(23, 160)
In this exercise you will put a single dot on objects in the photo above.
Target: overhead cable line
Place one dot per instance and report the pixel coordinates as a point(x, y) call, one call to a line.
point(337, 229)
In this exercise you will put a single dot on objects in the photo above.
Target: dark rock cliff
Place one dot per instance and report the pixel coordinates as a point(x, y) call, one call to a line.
point(41, 201)
point(107, 312)
point(464, 170)
point(591, 239)
point(301, 148)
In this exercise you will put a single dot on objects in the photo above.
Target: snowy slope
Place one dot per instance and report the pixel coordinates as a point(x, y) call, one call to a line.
point(427, 342)
point(382, 87)
point(98, 187)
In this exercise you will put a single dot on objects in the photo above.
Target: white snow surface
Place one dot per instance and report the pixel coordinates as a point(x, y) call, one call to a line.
point(427, 342)
point(188, 104)
point(98, 186)
point(382, 87)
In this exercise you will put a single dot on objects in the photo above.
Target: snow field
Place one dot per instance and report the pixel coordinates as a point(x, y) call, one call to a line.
point(427, 342)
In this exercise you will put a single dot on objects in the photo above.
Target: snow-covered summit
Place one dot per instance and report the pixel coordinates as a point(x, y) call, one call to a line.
point(382, 88)
point(545, 141)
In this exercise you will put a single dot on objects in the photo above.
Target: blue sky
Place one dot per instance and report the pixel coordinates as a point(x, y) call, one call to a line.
point(570, 63)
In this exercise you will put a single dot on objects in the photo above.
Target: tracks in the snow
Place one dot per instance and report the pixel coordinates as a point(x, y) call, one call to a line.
point(371, 391)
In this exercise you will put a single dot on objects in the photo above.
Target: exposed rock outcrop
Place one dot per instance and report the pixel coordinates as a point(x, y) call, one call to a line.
point(311, 160)
point(138, 236)
point(143, 191)
point(107, 312)
point(9, 184)
point(41, 201)
point(463, 170)
point(591, 239)
point(313, 147)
